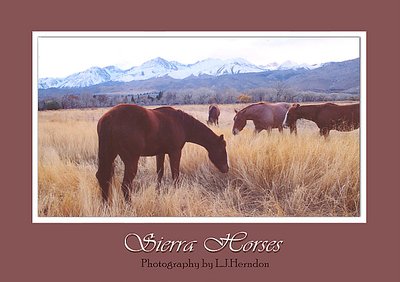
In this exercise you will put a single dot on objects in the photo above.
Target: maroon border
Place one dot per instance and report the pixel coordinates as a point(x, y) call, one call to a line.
point(95, 252)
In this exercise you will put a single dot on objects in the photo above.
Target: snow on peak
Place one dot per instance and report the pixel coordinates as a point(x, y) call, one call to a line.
point(159, 67)
point(158, 63)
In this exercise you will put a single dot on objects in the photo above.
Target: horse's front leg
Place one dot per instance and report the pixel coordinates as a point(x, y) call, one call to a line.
point(293, 128)
point(324, 132)
point(257, 130)
point(131, 165)
point(160, 167)
point(174, 161)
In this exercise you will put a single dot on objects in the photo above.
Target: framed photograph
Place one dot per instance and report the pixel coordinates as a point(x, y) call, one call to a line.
point(123, 101)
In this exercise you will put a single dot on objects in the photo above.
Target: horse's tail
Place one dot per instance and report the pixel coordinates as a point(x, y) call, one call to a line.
point(106, 156)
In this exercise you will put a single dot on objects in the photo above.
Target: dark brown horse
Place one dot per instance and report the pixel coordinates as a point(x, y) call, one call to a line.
point(327, 116)
point(264, 115)
point(213, 115)
point(131, 131)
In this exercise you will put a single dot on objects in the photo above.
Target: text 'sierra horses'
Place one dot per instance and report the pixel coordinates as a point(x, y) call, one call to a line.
point(132, 131)
point(213, 115)
point(328, 116)
point(264, 115)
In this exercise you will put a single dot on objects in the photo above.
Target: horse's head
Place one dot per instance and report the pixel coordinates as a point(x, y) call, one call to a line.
point(291, 116)
point(218, 156)
point(239, 122)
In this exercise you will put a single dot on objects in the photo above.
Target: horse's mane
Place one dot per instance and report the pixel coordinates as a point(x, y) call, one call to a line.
point(189, 119)
point(186, 118)
point(196, 127)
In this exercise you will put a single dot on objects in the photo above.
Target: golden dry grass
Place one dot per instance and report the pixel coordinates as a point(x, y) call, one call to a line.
point(270, 175)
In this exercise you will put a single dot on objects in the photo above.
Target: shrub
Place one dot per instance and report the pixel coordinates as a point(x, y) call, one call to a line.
point(244, 99)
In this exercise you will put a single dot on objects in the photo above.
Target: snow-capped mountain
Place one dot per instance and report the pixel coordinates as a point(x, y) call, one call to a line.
point(49, 82)
point(157, 67)
point(160, 67)
point(215, 67)
point(290, 65)
point(92, 76)
point(114, 72)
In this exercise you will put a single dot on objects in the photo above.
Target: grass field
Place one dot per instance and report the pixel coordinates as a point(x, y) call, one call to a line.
point(270, 175)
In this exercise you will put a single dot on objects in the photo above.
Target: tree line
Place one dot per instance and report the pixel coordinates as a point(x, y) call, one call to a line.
point(279, 93)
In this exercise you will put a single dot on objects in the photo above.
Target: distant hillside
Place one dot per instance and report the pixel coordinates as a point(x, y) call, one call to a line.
point(331, 77)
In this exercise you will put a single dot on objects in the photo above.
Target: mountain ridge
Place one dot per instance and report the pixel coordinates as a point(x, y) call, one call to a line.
point(329, 78)
point(159, 67)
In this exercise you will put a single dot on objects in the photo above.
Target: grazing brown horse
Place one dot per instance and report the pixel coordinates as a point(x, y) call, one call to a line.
point(264, 115)
point(213, 115)
point(131, 131)
point(327, 116)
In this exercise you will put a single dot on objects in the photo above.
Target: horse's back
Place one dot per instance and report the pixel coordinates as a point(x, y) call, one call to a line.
point(282, 105)
point(124, 112)
point(142, 131)
point(213, 114)
point(272, 114)
point(345, 116)
point(125, 117)
point(214, 111)
point(342, 110)
point(275, 107)
point(353, 114)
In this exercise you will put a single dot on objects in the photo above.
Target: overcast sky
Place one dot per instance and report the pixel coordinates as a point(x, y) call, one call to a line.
point(62, 56)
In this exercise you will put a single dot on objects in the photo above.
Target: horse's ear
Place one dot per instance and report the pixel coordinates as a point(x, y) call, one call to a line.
point(296, 105)
point(236, 111)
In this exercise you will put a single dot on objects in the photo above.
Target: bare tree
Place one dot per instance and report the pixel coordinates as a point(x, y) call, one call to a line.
point(258, 94)
point(69, 101)
point(170, 98)
point(86, 100)
point(280, 88)
point(187, 98)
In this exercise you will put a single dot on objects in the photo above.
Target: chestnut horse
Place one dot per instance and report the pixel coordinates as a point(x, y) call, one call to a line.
point(328, 116)
point(264, 115)
point(213, 115)
point(132, 131)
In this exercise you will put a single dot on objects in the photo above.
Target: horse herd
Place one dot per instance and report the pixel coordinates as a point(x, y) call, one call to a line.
point(131, 131)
